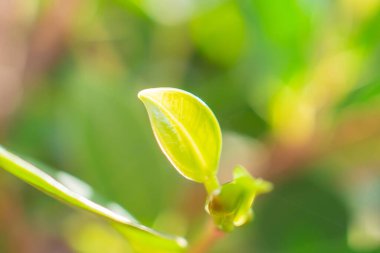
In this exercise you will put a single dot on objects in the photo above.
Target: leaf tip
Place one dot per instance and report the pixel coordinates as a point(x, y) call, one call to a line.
point(142, 95)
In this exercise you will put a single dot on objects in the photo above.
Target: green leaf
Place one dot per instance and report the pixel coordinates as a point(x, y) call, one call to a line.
point(186, 130)
point(230, 205)
point(362, 96)
point(209, 33)
point(73, 192)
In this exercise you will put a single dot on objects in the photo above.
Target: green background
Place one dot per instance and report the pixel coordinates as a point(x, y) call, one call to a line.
point(295, 85)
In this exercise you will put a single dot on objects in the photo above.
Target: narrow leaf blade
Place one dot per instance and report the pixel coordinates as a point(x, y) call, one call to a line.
point(152, 241)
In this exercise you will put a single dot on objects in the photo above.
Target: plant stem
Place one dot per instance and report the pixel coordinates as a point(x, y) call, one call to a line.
point(208, 239)
point(212, 184)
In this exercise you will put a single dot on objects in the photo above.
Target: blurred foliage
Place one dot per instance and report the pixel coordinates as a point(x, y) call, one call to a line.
point(297, 78)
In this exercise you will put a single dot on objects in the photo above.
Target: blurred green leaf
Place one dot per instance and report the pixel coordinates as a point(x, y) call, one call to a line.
point(75, 193)
point(230, 206)
point(186, 130)
point(302, 215)
point(361, 96)
point(220, 34)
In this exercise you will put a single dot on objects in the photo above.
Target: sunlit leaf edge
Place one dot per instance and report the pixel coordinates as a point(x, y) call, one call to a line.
point(49, 185)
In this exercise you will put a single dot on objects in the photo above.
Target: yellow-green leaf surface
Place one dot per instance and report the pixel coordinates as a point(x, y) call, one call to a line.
point(186, 130)
point(76, 193)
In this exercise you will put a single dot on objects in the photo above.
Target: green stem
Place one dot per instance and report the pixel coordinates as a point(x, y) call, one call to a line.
point(211, 184)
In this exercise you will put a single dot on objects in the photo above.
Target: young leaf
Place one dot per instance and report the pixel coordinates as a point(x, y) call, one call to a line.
point(230, 205)
point(186, 130)
point(142, 239)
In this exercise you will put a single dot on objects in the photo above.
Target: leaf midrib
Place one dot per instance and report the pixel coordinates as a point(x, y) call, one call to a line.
point(184, 130)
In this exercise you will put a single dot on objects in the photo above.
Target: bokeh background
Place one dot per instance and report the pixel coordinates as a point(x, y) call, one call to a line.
point(295, 85)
